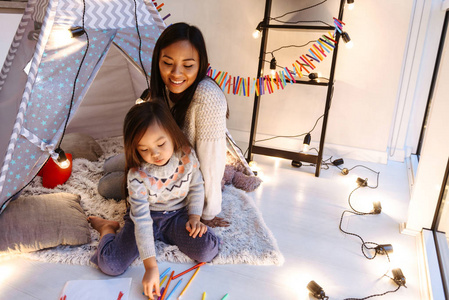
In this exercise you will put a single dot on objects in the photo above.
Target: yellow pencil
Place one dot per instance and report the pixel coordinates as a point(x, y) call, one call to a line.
point(188, 283)
point(204, 296)
point(162, 282)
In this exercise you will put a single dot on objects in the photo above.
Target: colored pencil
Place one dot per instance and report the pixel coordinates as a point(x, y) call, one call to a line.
point(162, 281)
point(168, 283)
point(162, 290)
point(188, 283)
point(204, 296)
point(225, 297)
point(188, 270)
point(173, 290)
point(163, 274)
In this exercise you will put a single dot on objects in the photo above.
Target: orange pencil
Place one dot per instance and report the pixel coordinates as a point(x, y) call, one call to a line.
point(188, 270)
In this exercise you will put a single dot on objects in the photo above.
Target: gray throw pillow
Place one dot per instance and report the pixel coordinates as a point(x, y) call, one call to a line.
point(81, 145)
point(32, 223)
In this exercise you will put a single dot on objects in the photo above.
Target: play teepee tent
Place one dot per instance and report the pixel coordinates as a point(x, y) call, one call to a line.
point(46, 77)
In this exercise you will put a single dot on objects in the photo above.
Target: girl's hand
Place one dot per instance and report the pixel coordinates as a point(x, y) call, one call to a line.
point(150, 279)
point(195, 227)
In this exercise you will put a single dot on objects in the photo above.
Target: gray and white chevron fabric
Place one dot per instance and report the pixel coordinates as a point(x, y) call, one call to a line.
point(102, 14)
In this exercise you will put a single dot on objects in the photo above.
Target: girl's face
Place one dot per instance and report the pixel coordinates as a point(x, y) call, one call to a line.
point(179, 64)
point(155, 146)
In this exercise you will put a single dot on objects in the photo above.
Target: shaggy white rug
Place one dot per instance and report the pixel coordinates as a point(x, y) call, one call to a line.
point(246, 241)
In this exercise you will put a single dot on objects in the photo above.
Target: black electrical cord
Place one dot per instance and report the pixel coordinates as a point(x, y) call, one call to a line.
point(364, 244)
point(375, 295)
point(299, 10)
point(289, 46)
point(140, 44)
point(286, 136)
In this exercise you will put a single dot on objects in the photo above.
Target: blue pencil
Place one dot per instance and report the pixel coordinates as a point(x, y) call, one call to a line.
point(163, 274)
point(171, 293)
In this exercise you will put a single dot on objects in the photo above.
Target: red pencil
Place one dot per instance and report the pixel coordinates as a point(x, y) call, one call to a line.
point(188, 270)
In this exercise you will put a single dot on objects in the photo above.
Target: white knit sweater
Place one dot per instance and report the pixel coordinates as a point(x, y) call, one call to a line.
point(205, 128)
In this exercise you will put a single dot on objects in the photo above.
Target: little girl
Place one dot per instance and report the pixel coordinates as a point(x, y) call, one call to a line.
point(166, 196)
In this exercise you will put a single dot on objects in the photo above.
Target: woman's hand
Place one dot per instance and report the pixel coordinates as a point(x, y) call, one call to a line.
point(195, 227)
point(216, 222)
point(150, 279)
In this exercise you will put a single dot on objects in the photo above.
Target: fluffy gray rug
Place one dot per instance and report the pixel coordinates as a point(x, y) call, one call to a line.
point(246, 241)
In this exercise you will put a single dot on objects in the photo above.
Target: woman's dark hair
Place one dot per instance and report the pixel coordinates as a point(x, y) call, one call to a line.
point(137, 120)
point(172, 34)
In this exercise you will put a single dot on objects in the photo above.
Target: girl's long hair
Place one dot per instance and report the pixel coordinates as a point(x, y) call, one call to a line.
point(172, 34)
point(137, 120)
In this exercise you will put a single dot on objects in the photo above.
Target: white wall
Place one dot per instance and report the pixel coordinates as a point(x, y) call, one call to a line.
point(367, 75)
point(435, 151)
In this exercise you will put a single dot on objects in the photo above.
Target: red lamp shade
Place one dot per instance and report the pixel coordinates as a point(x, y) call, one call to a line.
point(53, 175)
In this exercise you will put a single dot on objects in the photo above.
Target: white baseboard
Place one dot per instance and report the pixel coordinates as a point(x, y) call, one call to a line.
point(336, 151)
point(407, 231)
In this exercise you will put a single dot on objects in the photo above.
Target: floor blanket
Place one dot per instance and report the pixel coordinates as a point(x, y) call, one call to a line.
point(246, 241)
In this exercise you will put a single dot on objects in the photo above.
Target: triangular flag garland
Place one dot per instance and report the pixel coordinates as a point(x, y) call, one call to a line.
point(246, 86)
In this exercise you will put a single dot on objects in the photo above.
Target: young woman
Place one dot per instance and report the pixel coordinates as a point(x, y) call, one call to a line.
point(178, 77)
point(166, 197)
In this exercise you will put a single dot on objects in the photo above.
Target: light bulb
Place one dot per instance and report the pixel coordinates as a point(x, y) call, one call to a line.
point(350, 4)
point(256, 34)
point(306, 143)
point(62, 161)
point(257, 31)
point(349, 44)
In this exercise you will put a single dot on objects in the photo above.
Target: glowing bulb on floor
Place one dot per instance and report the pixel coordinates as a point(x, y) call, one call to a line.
point(62, 161)
point(254, 167)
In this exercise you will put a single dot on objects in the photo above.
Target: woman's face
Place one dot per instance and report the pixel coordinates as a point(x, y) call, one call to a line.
point(179, 64)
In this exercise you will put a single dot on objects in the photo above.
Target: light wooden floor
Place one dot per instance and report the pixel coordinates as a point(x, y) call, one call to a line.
point(303, 213)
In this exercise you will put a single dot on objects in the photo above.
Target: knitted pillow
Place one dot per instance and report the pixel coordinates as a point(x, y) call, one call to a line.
point(32, 223)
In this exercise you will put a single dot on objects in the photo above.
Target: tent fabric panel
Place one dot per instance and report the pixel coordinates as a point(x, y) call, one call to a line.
point(128, 40)
point(110, 96)
point(49, 100)
point(13, 88)
point(22, 171)
point(103, 14)
point(49, 103)
point(39, 49)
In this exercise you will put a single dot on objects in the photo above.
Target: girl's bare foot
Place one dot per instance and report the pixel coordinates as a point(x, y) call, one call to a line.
point(103, 226)
point(216, 222)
